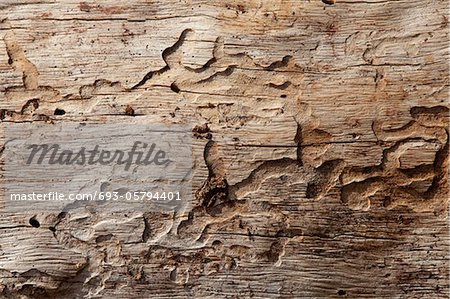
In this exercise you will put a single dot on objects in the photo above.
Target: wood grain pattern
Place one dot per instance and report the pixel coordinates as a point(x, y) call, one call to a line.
point(320, 146)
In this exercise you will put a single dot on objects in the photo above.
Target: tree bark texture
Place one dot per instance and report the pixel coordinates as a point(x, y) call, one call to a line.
point(320, 146)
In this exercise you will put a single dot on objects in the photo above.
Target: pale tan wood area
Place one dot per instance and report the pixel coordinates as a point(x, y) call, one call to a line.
point(320, 146)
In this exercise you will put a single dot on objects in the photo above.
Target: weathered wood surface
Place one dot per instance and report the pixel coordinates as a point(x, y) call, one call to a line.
point(322, 172)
